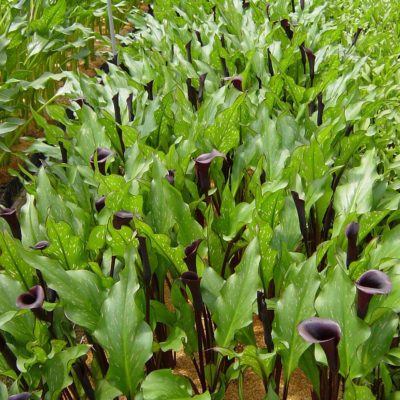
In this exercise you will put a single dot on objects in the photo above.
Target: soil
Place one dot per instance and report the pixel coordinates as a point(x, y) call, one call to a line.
point(299, 387)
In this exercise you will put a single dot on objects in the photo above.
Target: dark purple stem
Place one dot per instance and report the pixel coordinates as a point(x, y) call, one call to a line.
point(118, 121)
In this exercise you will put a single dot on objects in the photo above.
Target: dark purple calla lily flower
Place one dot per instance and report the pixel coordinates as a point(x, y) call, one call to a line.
point(356, 36)
point(270, 67)
point(311, 61)
point(170, 177)
point(311, 107)
point(100, 203)
point(42, 245)
point(191, 253)
point(203, 163)
point(70, 114)
point(192, 93)
point(63, 150)
point(202, 81)
point(237, 81)
point(102, 156)
point(20, 396)
point(129, 105)
point(199, 217)
point(351, 233)
point(10, 215)
point(224, 67)
point(370, 283)
point(285, 24)
point(192, 280)
point(80, 101)
point(149, 89)
point(122, 218)
point(223, 43)
point(198, 37)
point(327, 333)
point(31, 299)
point(188, 47)
point(301, 213)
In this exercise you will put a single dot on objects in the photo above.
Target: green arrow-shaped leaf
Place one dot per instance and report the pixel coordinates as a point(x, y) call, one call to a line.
point(123, 332)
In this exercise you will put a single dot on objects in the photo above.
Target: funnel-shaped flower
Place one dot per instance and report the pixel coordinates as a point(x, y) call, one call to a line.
point(102, 155)
point(311, 107)
point(192, 93)
point(192, 280)
point(10, 215)
point(311, 61)
point(325, 332)
point(170, 177)
point(202, 81)
point(20, 396)
point(198, 36)
point(149, 89)
point(122, 218)
point(188, 47)
point(191, 253)
point(130, 107)
point(63, 150)
point(263, 315)
point(70, 114)
point(351, 234)
point(100, 203)
point(145, 259)
point(42, 245)
point(199, 217)
point(237, 81)
point(370, 283)
point(224, 67)
point(203, 163)
point(32, 299)
point(285, 24)
point(301, 213)
point(270, 67)
point(356, 35)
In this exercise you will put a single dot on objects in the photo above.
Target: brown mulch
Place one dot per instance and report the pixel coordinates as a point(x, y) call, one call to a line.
point(299, 386)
